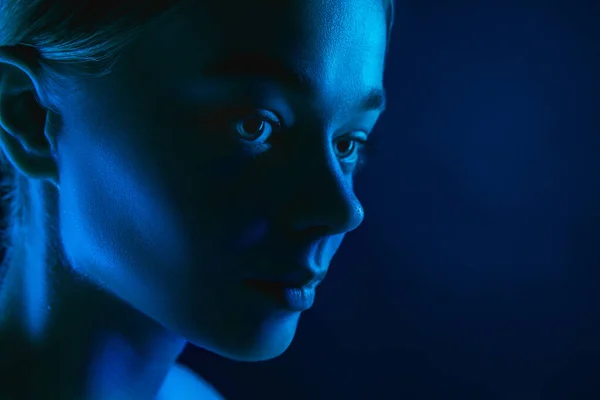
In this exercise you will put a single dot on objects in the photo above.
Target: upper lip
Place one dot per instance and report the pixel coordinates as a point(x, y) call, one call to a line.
point(298, 277)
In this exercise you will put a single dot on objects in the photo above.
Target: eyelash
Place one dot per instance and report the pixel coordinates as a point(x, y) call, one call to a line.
point(366, 150)
point(276, 127)
point(366, 147)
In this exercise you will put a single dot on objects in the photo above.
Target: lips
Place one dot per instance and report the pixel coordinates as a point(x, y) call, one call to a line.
point(299, 277)
point(290, 286)
point(293, 298)
point(271, 285)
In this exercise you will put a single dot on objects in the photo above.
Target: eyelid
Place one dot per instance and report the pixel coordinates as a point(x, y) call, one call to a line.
point(358, 135)
point(268, 116)
point(235, 114)
point(362, 153)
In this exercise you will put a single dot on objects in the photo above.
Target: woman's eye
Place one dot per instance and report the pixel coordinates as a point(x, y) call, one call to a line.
point(348, 148)
point(254, 128)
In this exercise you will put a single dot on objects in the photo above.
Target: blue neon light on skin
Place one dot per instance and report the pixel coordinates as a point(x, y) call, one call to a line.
point(221, 149)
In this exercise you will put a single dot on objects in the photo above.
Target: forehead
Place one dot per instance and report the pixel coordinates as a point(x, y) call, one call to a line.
point(316, 35)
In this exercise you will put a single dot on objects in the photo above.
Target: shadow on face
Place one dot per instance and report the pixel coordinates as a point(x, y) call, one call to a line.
point(208, 180)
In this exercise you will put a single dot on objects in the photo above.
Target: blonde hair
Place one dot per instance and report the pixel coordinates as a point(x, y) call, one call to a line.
point(71, 36)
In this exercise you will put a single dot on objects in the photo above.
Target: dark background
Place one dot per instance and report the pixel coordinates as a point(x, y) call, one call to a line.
point(475, 274)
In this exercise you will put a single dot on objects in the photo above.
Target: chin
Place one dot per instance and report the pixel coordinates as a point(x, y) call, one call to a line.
point(265, 344)
point(252, 355)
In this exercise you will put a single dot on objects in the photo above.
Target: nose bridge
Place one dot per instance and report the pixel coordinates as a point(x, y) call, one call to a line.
point(322, 198)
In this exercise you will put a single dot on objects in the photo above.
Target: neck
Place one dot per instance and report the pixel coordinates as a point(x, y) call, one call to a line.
point(62, 337)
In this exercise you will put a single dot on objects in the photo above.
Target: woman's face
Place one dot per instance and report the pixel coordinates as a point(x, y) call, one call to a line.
point(221, 150)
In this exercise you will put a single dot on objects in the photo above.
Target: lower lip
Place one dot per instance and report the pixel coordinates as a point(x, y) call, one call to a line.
point(291, 298)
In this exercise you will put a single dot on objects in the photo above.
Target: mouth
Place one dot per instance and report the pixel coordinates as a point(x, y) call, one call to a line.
point(291, 296)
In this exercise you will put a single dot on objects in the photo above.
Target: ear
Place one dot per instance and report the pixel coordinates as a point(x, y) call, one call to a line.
point(27, 128)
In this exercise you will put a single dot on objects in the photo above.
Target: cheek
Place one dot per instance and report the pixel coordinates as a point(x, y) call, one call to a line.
point(151, 213)
point(118, 225)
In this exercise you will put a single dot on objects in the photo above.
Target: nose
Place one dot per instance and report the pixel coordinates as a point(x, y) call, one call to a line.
point(323, 201)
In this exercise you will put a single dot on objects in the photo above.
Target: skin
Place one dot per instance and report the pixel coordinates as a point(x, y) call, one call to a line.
point(164, 202)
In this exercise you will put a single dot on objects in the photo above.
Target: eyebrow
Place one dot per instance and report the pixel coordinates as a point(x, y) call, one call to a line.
point(261, 66)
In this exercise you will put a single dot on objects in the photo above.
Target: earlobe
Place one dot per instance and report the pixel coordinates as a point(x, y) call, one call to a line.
point(27, 129)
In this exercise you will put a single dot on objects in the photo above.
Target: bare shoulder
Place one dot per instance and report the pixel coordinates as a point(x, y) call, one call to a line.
point(184, 384)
